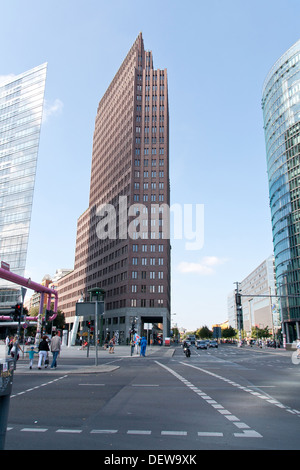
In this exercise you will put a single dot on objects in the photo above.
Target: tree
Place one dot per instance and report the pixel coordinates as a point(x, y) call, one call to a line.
point(204, 332)
point(59, 321)
point(259, 333)
point(229, 332)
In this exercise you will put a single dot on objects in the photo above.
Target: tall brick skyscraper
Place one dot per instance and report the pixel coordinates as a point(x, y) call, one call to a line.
point(128, 254)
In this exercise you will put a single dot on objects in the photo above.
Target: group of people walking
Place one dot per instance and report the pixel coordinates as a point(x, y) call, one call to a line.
point(43, 349)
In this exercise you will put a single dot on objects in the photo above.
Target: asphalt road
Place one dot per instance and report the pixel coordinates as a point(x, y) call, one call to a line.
point(218, 399)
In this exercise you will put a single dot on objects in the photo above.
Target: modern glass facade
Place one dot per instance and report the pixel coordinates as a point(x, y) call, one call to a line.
point(21, 108)
point(281, 113)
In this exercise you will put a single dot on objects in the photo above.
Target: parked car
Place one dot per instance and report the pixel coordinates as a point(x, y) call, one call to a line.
point(213, 344)
point(201, 344)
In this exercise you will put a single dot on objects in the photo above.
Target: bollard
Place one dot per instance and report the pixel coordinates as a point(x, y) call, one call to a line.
point(6, 380)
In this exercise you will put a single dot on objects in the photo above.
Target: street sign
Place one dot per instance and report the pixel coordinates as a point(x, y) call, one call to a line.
point(87, 309)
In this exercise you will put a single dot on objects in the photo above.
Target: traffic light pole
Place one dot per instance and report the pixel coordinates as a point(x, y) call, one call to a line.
point(239, 314)
point(96, 333)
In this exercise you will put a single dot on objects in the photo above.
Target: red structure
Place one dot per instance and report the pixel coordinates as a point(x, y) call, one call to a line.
point(29, 284)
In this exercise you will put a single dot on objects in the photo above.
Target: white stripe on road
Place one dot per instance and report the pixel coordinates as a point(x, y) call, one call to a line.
point(209, 400)
point(248, 433)
point(173, 433)
point(37, 387)
point(34, 430)
point(70, 431)
point(245, 389)
point(132, 431)
point(104, 431)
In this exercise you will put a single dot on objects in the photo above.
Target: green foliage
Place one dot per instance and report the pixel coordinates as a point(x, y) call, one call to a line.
point(229, 333)
point(259, 333)
point(204, 332)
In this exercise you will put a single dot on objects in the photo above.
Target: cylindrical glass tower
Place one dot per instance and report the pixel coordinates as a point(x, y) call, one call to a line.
point(281, 112)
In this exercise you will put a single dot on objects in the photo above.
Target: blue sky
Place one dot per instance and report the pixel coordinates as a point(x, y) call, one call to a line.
point(217, 54)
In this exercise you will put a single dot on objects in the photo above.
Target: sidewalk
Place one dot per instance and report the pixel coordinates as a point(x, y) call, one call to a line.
point(106, 361)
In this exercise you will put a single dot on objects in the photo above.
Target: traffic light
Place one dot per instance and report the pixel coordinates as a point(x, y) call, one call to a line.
point(89, 325)
point(238, 300)
point(48, 314)
point(17, 312)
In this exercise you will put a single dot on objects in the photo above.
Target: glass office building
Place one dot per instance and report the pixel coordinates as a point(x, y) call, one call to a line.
point(281, 112)
point(21, 108)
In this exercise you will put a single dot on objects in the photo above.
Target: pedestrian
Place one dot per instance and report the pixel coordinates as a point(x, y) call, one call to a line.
point(31, 353)
point(106, 342)
point(143, 346)
point(10, 344)
point(55, 349)
point(7, 345)
point(43, 352)
point(14, 351)
point(112, 345)
point(137, 341)
point(298, 348)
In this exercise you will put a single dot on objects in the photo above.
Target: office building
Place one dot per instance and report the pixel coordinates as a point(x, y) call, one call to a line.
point(259, 301)
point(281, 113)
point(21, 108)
point(122, 243)
point(259, 308)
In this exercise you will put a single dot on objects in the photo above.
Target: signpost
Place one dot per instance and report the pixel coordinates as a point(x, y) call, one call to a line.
point(96, 308)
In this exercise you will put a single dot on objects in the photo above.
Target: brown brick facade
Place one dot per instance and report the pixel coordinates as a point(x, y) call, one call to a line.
point(130, 161)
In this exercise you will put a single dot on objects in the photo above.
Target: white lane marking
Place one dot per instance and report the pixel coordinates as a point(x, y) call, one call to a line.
point(104, 431)
point(140, 432)
point(173, 433)
point(37, 387)
point(145, 432)
point(269, 399)
point(69, 431)
point(34, 430)
point(247, 433)
point(227, 414)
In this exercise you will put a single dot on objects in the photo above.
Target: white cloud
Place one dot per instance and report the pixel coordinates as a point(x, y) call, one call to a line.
point(52, 109)
point(205, 267)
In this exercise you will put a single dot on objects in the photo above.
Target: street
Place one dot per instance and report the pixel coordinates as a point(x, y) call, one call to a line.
point(226, 398)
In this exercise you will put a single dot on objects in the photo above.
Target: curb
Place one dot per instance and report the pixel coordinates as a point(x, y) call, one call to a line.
point(66, 371)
